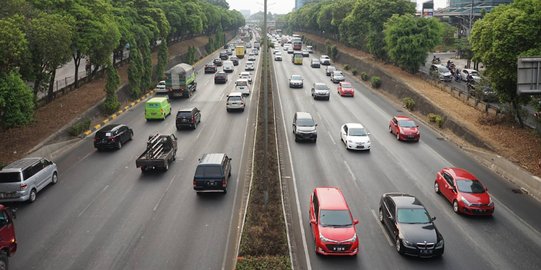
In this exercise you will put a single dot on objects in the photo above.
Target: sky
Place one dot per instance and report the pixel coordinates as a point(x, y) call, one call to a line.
point(286, 6)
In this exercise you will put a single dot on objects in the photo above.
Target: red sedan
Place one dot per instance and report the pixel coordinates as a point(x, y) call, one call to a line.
point(462, 189)
point(404, 128)
point(346, 89)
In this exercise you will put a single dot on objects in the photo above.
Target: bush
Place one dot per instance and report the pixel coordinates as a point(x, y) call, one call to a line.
point(364, 76)
point(110, 106)
point(409, 103)
point(79, 127)
point(354, 72)
point(436, 118)
point(346, 67)
point(375, 81)
point(334, 52)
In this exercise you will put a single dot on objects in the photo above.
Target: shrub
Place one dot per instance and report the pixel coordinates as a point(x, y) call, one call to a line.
point(375, 81)
point(364, 76)
point(354, 72)
point(79, 127)
point(436, 118)
point(346, 67)
point(409, 103)
point(334, 52)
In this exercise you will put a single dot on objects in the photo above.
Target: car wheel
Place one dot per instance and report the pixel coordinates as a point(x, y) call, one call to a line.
point(380, 215)
point(131, 135)
point(4, 261)
point(455, 207)
point(54, 179)
point(166, 166)
point(436, 187)
point(225, 190)
point(398, 136)
point(398, 246)
point(33, 195)
point(119, 145)
point(390, 129)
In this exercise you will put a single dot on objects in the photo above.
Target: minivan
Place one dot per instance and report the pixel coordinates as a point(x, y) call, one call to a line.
point(189, 117)
point(157, 108)
point(228, 66)
point(212, 173)
point(304, 127)
point(23, 179)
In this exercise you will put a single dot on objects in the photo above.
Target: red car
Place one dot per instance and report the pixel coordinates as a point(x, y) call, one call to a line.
point(404, 128)
point(346, 89)
point(464, 191)
point(331, 222)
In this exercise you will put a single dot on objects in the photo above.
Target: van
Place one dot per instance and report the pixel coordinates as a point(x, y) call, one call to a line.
point(21, 180)
point(212, 173)
point(157, 108)
point(228, 66)
point(304, 127)
point(297, 58)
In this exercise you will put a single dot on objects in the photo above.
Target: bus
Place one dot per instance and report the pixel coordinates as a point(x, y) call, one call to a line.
point(297, 58)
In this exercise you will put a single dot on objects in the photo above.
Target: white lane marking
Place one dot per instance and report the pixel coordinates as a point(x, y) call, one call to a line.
point(350, 171)
point(304, 243)
point(330, 136)
point(382, 228)
point(163, 195)
point(93, 200)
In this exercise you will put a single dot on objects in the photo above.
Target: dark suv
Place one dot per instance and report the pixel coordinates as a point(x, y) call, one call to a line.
point(220, 77)
point(210, 68)
point(224, 55)
point(212, 173)
point(112, 136)
point(190, 117)
point(410, 225)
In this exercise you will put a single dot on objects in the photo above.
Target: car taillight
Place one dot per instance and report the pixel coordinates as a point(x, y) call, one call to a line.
point(224, 183)
point(112, 139)
point(193, 118)
point(23, 186)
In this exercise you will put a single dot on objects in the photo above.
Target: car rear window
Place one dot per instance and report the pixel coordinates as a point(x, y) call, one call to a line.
point(335, 218)
point(153, 105)
point(103, 134)
point(234, 98)
point(10, 177)
point(184, 114)
point(208, 172)
point(241, 83)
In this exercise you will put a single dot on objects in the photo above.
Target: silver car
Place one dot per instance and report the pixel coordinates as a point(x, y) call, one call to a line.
point(321, 91)
point(24, 178)
point(235, 101)
point(337, 76)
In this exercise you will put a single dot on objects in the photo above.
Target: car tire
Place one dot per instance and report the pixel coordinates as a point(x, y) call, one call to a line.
point(4, 260)
point(398, 136)
point(455, 207)
point(33, 195)
point(380, 215)
point(436, 187)
point(166, 168)
point(54, 180)
point(131, 136)
point(398, 246)
point(118, 145)
point(225, 190)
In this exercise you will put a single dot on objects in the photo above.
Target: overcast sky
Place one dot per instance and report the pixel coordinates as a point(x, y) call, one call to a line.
point(285, 6)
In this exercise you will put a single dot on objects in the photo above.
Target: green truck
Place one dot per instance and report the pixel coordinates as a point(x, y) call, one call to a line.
point(180, 81)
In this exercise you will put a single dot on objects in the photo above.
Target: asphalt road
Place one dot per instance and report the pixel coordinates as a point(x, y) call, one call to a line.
point(105, 214)
point(508, 240)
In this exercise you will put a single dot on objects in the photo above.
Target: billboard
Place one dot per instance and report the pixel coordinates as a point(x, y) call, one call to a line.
point(529, 75)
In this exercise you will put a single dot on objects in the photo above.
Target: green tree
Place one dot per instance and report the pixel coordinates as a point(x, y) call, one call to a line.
point(16, 101)
point(162, 61)
point(408, 40)
point(111, 103)
point(498, 39)
point(135, 72)
point(13, 43)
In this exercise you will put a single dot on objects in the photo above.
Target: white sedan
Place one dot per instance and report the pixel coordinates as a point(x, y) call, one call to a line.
point(355, 136)
point(246, 75)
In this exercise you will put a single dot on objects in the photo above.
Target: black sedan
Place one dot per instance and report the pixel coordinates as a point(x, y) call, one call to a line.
point(218, 62)
point(220, 77)
point(235, 60)
point(210, 68)
point(112, 136)
point(410, 225)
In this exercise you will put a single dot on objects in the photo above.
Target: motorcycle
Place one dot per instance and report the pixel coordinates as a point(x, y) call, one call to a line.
point(436, 60)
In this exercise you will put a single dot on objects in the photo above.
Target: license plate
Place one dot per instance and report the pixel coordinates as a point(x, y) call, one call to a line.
point(360, 146)
point(339, 249)
point(425, 251)
point(184, 120)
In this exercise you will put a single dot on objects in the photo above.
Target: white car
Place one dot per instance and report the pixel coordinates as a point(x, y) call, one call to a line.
point(290, 50)
point(249, 66)
point(325, 60)
point(337, 76)
point(321, 91)
point(160, 88)
point(251, 57)
point(475, 75)
point(235, 101)
point(246, 75)
point(309, 49)
point(355, 136)
point(296, 81)
point(242, 86)
point(278, 56)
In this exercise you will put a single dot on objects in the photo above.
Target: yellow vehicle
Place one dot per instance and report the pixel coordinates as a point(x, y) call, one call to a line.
point(297, 58)
point(239, 51)
point(157, 108)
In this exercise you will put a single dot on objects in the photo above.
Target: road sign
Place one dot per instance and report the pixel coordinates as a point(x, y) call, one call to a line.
point(529, 75)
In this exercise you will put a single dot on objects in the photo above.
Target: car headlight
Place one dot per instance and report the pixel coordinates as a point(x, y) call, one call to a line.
point(368, 141)
point(324, 239)
point(465, 201)
point(407, 243)
point(352, 239)
point(490, 202)
point(439, 244)
point(350, 141)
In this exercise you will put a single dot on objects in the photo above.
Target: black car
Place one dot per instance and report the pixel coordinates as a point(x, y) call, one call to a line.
point(410, 225)
point(212, 173)
point(218, 62)
point(210, 68)
point(112, 136)
point(189, 117)
point(220, 77)
point(235, 60)
point(224, 55)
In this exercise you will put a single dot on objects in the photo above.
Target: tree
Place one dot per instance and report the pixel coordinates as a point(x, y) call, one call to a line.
point(220, 3)
point(111, 103)
point(408, 40)
point(162, 61)
point(16, 101)
point(135, 72)
point(498, 39)
point(13, 43)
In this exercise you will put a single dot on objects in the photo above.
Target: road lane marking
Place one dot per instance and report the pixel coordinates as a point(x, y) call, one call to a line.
point(330, 136)
point(382, 228)
point(93, 200)
point(350, 171)
point(163, 195)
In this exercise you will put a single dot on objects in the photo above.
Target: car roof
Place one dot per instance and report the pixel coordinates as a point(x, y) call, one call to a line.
point(242, 80)
point(245, 73)
point(304, 115)
point(354, 125)
point(211, 158)
point(460, 173)
point(331, 198)
point(110, 127)
point(404, 200)
point(320, 84)
point(22, 163)
point(235, 94)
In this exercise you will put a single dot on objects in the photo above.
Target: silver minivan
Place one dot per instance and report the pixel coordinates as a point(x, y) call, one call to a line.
point(24, 178)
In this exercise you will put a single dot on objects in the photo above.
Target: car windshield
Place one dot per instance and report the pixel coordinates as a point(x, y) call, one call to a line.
point(406, 123)
point(470, 186)
point(443, 69)
point(321, 87)
point(296, 77)
point(346, 85)
point(413, 216)
point(305, 122)
point(474, 73)
point(335, 218)
point(357, 132)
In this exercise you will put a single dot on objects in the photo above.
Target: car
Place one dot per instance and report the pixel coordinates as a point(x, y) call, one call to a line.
point(249, 66)
point(355, 136)
point(255, 51)
point(295, 81)
point(229, 52)
point(210, 68)
point(243, 86)
point(188, 117)
point(345, 89)
point(441, 72)
point(337, 76)
point(235, 101)
point(410, 225)
point(220, 77)
point(112, 136)
point(304, 127)
point(274, 51)
point(278, 56)
point(246, 75)
point(325, 60)
point(251, 57)
point(404, 128)
point(235, 60)
point(314, 62)
point(329, 70)
point(224, 55)
point(474, 73)
point(310, 49)
point(212, 173)
point(160, 88)
point(157, 108)
point(464, 191)
point(332, 224)
point(218, 62)
point(290, 50)
point(228, 66)
point(248, 45)
point(305, 53)
point(21, 180)
point(320, 91)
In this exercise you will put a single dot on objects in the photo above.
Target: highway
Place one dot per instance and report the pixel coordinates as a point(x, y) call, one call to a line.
point(105, 214)
point(510, 239)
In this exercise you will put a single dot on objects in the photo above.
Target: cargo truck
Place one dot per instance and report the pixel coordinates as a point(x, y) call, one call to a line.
point(239, 51)
point(180, 81)
point(160, 151)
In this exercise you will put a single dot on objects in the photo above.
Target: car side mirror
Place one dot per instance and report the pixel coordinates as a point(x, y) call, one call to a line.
point(313, 221)
point(230, 158)
point(355, 221)
point(433, 218)
point(315, 125)
point(367, 133)
point(312, 89)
